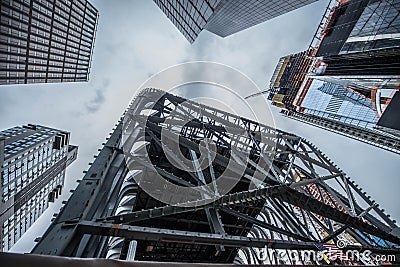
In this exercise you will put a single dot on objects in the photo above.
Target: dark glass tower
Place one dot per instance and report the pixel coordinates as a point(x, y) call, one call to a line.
point(350, 82)
point(33, 160)
point(46, 41)
point(223, 17)
point(358, 26)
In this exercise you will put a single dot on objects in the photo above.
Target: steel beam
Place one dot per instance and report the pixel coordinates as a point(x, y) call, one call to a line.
point(175, 236)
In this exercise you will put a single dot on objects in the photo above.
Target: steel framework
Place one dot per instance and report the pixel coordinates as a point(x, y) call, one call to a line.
point(289, 198)
point(374, 138)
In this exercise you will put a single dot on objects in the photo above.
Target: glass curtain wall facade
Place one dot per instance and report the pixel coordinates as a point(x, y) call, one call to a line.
point(232, 16)
point(362, 38)
point(46, 41)
point(33, 160)
point(190, 17)
point(354, 75)
point(360, 26)
point(338, 102)
point(359, 61)
point(377, 28)
point(223, 17)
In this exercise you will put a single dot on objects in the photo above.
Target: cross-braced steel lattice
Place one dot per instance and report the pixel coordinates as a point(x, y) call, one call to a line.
point(289, 198)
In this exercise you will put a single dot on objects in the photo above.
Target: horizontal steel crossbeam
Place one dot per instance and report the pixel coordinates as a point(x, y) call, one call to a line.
point(281, 192)
point(187, 237)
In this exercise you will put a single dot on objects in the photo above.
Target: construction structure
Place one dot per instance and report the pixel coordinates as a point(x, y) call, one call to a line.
point(178, 181)
point(33, 162)
point(46, 41)
point(348, 80)
point(223, 17)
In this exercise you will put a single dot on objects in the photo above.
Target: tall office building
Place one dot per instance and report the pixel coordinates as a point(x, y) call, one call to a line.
point(33, 160)
point(46, 41)
point(348, 80)
point(356, 26)
point(223, 17)
point(178, 181)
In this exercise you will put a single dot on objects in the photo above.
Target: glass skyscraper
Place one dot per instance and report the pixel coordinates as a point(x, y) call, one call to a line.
point(33, 160)
point(223, 17)
point(43, 41)
point(339, 102)
point(360, 26)
point(350, 82)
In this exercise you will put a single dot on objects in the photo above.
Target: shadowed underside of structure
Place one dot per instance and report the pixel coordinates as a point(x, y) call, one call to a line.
point(19, 260)
point(280, 194)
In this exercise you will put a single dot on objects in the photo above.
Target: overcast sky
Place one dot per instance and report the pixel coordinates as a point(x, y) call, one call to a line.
point(136, 40)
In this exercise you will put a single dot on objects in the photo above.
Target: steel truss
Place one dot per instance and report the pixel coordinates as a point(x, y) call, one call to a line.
point(290, 196)
point(364, 135)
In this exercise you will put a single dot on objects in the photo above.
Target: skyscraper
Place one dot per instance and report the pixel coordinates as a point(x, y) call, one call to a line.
point(356, 26)
point(46, 41)
point(223, 17)
point(33, 160)
point(348, 81)
point(178, 181)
